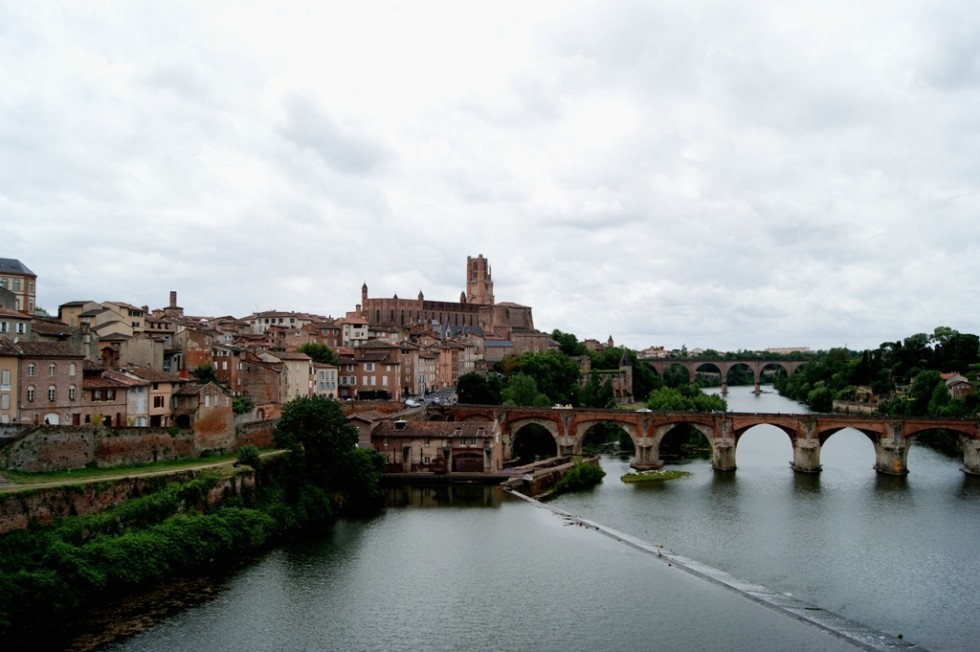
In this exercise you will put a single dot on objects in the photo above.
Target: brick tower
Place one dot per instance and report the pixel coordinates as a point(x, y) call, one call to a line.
point(479, 285)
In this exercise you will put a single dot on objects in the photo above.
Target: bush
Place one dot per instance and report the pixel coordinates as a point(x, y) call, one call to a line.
point(249, 456)
point(580, 476)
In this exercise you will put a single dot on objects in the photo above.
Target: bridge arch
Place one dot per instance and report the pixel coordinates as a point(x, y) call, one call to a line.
point(523, 441)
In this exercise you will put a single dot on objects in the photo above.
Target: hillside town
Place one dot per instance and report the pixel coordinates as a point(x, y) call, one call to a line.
point(113, 363)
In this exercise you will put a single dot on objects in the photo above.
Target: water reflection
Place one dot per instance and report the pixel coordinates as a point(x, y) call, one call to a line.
point(891, 483)
point(455, 495)
point(806, 483)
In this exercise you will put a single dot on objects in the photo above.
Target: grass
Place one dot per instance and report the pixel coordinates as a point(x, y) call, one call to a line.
point(24, 479)
point(657, 475)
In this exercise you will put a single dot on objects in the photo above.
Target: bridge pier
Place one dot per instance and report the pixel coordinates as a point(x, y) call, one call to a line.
point(806, 456)
point(971, 456)
point(646, 458)
point(891, 458)
point(723, 456)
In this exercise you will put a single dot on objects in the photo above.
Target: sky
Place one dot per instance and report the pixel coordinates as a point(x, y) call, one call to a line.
point(710, 174)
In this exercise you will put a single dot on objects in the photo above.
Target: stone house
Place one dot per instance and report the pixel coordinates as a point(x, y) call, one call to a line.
point(112, 399)
point(958, 385)
point(14, 324)
point(378, 368)
point(436, 446)
point(208, 410)
point(48, 380)
point(296, 379)
point(9, 381)
point(261, 381)
point(160, 392)
point(325, 383)
point(21, 282)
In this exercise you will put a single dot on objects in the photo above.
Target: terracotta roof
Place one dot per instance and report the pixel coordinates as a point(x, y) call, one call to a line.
point(6, 312)
point(290, 355)
point(151, 374)
point(50, 327)
point(48, 350)
point(102, 382)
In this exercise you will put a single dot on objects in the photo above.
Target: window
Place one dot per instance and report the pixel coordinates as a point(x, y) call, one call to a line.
point(52, 369)
point(52, 392)
point(110, 395)
point(3, 327)
point(368, 366)
point(96, 394)
point(71, 392)
point(5, 377)
point(30, 394)
point(72, 369)
point(158, 401)
point(16, 285)
point(4, 401)
point(21, 327)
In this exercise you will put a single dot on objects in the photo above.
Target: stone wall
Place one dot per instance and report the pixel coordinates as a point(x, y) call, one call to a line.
point(62, 448)
point(41, 507)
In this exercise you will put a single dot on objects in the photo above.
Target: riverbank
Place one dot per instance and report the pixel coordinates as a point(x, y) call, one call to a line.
point(164, 529)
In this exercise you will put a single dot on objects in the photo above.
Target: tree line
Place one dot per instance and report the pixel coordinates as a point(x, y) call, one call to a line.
point(904, 376)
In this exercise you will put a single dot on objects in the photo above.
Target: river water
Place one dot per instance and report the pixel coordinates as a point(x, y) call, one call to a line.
point(471, 568)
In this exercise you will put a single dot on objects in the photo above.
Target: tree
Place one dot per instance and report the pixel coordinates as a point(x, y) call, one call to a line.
point(242, 404)
point(688, 397)
point(522, 390)
point(204, 374)
point(249, 456)
point(568, 343)
point(318, 353)
point(477, 389)
point(597, 393)
point(319, 438)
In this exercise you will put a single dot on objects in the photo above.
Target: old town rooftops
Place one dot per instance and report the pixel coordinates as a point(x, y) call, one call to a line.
point(46, 350)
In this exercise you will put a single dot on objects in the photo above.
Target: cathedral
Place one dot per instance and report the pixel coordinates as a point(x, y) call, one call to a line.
point(475, 312)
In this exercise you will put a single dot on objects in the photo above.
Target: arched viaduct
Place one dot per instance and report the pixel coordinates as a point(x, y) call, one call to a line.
point(892, 437)
point(724, 366)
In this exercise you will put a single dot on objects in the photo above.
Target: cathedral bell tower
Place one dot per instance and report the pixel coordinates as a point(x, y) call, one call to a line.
point(479, 284)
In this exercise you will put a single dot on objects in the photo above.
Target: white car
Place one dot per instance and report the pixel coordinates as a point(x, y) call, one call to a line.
point(410, 403)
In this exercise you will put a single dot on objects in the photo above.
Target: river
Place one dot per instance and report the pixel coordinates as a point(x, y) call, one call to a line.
point(471, 568)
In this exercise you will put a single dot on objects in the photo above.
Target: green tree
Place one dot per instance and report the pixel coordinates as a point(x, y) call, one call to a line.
point(242, 404)
point(318, 353)
point(556, 375)
point(522, 390)
point(597, 393)
point(568, 343)
point(477, 389)
point(204, 374)
point(688, 397)
point(319, 438)
point(248, 455)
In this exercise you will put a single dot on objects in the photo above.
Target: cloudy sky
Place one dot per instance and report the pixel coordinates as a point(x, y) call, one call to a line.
point(733, 175)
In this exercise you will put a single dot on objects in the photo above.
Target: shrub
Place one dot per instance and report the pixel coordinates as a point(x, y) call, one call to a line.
point(580, 476)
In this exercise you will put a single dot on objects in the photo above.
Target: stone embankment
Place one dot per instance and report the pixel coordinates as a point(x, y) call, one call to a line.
point(539, 479)
point(43, 449)
point(43, 505)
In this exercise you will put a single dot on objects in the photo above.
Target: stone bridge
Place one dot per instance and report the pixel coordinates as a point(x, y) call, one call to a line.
point(723, 367)
point(892, 437)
